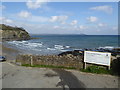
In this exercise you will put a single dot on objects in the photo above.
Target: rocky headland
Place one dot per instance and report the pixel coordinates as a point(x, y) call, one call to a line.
point(9, 33)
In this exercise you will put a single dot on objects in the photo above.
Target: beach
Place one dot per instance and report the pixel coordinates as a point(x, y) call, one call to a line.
point(9, 53)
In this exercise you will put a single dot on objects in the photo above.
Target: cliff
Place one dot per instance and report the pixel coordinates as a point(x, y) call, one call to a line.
point(8, 33)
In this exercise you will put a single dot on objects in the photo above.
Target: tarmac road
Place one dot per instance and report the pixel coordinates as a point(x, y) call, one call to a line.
point(67, 78)
point(26, 77)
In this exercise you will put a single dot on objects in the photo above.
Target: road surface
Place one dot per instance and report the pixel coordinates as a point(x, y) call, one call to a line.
point(14, 76)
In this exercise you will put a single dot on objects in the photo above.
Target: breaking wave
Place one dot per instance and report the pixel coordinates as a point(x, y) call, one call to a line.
point(108, 47)
point(39, 46)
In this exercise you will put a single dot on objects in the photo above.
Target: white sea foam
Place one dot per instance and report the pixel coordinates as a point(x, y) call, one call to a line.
point(26, 44)
point(51, 49)
point(64, 50)
point(107, 47)
point(67, 46)
point(39, 46)
point(34, 44)
point(24, 41)
point(58, 47)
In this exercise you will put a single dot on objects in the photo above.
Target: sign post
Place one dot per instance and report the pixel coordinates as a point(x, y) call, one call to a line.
point(100, 58)
point(84, 65)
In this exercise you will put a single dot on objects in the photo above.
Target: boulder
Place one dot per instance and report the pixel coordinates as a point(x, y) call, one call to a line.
point(74, 53)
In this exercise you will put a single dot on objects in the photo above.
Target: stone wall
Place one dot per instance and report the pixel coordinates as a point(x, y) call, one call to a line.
point(55, 60)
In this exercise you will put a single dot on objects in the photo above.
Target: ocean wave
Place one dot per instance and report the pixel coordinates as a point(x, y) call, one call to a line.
point(34, 44)
point(67, 46)
point(108, 47)
point(58, 47)
point(64, 50)
point(51, 49)
point(39, 47)
point(26, 44)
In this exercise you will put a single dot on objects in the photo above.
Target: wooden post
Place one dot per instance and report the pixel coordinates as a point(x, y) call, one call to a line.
point(108, 67)
point(110, 62)
point(31, 61)
point(85, 65)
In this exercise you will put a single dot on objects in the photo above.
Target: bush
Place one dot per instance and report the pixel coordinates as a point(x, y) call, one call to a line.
point(115, 66)
point(96, 69)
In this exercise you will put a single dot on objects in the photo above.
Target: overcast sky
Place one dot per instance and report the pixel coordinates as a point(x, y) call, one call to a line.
point(92, 18)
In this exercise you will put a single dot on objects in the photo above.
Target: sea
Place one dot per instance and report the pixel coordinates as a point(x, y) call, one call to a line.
point(55, 44)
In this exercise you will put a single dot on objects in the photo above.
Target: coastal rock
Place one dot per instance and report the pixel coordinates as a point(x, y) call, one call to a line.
point(8, 33)
point(74, 53)
point(114, 52)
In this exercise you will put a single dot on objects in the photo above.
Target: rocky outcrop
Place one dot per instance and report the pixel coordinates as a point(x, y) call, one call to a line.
point(74, 53)
point(114, 52)
point(8, 33)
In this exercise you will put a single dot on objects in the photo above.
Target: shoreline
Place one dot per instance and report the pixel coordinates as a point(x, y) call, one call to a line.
point(9, 53)
point(12, 54)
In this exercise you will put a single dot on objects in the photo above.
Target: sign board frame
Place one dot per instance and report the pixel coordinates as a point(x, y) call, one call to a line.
point(95, 58)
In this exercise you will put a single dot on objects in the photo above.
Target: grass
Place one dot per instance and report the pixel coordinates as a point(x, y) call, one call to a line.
point(48, 66)
point(97, 70)
point(90, 69)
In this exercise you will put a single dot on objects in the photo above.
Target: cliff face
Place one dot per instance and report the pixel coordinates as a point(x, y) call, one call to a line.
point(8, 33)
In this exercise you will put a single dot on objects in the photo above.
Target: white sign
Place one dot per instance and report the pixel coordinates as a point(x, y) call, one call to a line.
point(101, 58)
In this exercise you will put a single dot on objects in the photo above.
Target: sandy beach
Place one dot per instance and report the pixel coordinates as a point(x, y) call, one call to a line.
point(9, 53)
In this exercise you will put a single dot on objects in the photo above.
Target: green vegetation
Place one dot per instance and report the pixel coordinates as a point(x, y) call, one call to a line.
point(13, 33)
point(48, 66)
point(97, 69)
point(6, 27)
point(115, 68)
point(90, 69)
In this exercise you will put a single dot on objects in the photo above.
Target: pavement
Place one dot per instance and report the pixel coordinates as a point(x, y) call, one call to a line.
point(14, 76)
